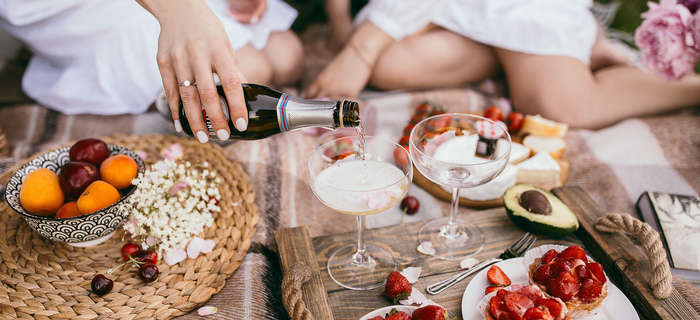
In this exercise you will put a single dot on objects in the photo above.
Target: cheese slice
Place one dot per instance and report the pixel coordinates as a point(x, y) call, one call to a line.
point(555, 146)
point(540, 170)
point(543, 127)
point(491, 190)
point(518, 152)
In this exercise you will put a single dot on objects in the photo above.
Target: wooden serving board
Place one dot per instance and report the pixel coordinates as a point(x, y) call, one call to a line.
point(624, 264)
point(439, 192)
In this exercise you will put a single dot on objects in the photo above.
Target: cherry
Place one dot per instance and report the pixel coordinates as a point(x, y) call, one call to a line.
point(130, 249)
point(90, 150)
point(410, 204)
point(147, 256)
point(148, 272)
point(101, 285)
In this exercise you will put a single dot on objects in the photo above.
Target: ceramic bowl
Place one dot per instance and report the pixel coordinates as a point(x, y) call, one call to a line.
point(81, 231)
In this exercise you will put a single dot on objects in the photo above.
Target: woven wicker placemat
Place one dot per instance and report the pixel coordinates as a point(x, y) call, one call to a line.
point(41, 279)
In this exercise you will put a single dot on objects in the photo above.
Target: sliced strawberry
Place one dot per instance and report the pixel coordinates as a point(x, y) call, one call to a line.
point(531, 292)
point(536, 313)
point(554, 306)
point(501, 293)
point(542, 274)
point(595, 270)
point(572, 252)
point(397, 287)
point(548, 257)
point(496, 276)
point(512, 315)
point(497, 308)
point(430, 312)
point(516, 303)
point(397, 315)
point(558, 267)
point(492, 288)
point(564, 286)
point(590, 290)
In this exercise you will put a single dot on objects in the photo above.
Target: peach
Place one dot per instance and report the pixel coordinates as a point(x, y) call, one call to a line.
point(118, 170)
point(97, 196)
point(68, 209)
point(40, 193)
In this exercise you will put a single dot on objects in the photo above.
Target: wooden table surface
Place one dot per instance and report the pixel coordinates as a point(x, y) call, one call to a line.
point(623, 264)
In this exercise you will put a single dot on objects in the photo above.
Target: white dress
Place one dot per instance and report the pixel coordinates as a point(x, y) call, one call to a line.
point(542, 27)
point(99, 56)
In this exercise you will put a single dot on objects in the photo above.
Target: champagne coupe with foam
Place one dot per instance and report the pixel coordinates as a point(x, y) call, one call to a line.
point(359, 176)
point(457, 151)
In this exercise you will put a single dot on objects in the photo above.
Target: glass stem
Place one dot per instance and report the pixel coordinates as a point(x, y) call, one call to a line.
point(361, 257)
point(452, 228)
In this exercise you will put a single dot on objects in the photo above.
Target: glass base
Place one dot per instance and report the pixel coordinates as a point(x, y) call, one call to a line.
point(361, 272)
point(456, 242)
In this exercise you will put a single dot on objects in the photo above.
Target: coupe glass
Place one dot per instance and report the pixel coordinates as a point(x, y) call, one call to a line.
point(360, 178)
point(457, 151)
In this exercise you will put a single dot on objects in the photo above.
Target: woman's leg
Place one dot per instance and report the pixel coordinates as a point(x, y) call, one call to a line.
point(433, 58)
point(564, 89)
point(284, 53)
point(254, 65)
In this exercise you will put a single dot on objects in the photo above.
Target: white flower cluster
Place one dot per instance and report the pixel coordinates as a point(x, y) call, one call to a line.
point(173, 203)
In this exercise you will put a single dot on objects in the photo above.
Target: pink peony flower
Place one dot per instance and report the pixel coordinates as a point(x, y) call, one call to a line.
point(694, 27)
point(665, 40)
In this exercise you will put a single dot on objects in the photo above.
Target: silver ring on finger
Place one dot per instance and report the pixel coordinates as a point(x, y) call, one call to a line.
point(187, 83)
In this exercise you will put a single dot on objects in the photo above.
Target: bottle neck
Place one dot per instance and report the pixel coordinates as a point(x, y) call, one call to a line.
point(295, 113)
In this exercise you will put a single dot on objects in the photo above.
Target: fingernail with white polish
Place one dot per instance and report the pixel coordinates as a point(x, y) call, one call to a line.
point(202, 137)
point(178, 126)
point(222, 134)
point(241, 125)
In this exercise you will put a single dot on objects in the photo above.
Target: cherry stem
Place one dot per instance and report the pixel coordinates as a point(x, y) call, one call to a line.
point(131, 259)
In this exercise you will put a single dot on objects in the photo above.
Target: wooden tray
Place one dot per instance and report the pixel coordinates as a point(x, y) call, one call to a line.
point(43, 279)
point(439, 192)
point(625, 265)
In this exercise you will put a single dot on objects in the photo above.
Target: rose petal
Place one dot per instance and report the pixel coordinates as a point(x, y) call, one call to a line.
point(411, 274)
point(205, 311)
point(416, 297)
point(426, 247)
point(161, 166)
point(151, 241)
point(173, 152)
point(393, 191)
point(468, 263)
point(198, 245)
point(376, 199)
point(181, 185)
point(174, 255)
point(142, 154)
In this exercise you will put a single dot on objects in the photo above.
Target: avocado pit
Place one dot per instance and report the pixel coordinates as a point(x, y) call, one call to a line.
point(535, 202)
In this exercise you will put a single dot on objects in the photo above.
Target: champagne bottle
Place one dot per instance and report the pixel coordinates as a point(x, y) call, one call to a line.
point(271, 112)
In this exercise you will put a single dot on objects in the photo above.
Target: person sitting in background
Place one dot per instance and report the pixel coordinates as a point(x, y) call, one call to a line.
point(553, 54)
point(106, 56)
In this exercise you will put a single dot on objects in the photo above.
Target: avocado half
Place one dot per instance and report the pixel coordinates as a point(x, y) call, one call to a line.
point(540, 211)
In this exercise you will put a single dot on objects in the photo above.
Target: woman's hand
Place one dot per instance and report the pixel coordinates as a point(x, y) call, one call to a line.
point(192, 46)
point(344, 77)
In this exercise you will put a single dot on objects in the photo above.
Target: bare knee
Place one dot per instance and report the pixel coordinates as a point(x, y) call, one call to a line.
point(254, 65)
point(284, 53)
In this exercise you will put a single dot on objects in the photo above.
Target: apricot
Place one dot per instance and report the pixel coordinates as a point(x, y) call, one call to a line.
point(97, 196)
point(68, 209)
point(40, 193)
point(118, 170)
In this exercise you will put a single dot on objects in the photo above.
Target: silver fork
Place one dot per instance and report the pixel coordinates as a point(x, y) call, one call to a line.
point(517, 249)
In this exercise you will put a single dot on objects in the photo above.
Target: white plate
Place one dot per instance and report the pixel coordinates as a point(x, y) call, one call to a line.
point(615, 305)
point(383, 311)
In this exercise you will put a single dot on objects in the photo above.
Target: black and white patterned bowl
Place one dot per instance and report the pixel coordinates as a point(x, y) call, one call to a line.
point(81, 231)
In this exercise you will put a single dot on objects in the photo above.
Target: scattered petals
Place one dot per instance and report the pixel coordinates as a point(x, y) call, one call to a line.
point(161, 166)
point(142, 154)
point(426, 247)
point(393, 191)
point(181, 185)
point(205, 311)
point(174, 256)
point(199, 245)
point(173, 152)
point(376, 199)
point(416, 297)
point(150, 241)
point(411, 274)
point(468, 263)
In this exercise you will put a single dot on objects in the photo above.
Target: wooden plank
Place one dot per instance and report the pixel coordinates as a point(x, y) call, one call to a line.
point(624, 262)
point(294, 244)
point(402, 241)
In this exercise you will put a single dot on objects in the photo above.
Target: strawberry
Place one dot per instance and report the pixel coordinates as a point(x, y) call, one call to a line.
point(564, 286)
point(430, 312)
point(492, 288)
point(553, 306)
point(397, 287)
point(516, 303)
point(397, 315)
point(531, 292)
point(535, 313)
point(542, 274)
point(497, 308)
point(496, 276)
point(595, 271)
point(548, 257)
point(571, 253)
point(590, 290)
